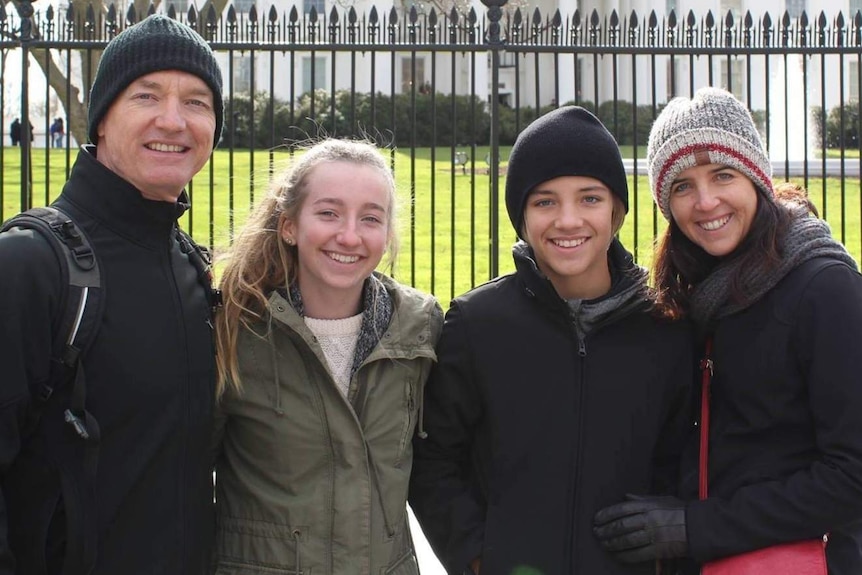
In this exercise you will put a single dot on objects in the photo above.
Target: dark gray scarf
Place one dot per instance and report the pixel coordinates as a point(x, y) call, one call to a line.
point(808, 237)
point(376, 315)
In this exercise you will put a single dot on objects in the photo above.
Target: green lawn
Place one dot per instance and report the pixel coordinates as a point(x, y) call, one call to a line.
point(448, 248)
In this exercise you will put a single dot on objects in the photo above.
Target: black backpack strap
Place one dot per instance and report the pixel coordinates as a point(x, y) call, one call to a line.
point(201, 259)
point(73, 447)
point(84, 301)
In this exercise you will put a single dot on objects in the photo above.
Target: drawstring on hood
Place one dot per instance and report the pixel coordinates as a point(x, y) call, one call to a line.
point(297, 534)
point(420, 423)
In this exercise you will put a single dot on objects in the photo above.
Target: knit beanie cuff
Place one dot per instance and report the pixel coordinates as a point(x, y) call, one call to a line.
point(155, 44)
point(685, 150)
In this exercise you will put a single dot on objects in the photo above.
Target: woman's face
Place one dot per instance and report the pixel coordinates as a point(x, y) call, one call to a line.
point(340, 233)
point(714, 206)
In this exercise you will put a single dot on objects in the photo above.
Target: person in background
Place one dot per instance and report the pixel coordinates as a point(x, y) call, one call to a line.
point(15, 131)
point(761, 277)
point(557, 390)
point(57, 131)
point(155, 112)
point(322, 362)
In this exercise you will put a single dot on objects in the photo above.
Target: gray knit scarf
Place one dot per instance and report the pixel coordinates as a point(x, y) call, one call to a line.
point(376, 315)
point(808, 237)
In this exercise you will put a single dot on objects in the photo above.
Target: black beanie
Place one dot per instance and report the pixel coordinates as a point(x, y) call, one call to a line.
point(154, 44)
point(569, 141)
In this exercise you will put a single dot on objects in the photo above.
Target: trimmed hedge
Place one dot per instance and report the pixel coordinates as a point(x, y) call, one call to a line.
point(433, 119)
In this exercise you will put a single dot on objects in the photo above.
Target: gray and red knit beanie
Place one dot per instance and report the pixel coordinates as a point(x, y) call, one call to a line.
point(154, 44)
point(711, 128)
point(569, 141)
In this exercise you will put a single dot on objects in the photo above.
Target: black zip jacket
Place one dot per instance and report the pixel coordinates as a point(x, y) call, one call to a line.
point(785, 445)
point(150, 379)
point(533, 428)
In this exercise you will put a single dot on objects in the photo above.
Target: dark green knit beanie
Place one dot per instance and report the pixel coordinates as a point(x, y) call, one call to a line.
point(156, 43)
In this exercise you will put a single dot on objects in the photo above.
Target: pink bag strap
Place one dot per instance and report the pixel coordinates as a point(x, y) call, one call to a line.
point(706, 370)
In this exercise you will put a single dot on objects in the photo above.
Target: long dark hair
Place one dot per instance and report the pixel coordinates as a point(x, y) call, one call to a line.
point(680, 265)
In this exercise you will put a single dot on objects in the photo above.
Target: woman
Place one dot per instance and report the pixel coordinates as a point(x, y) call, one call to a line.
point(322, 363)
point(781, 302)
point(557, 389)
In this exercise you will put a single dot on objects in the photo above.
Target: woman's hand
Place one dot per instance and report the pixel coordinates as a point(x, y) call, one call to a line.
point(643, 528)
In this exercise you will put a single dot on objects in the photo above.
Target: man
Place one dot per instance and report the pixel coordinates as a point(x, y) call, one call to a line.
point(57, 132)
point(155, 113)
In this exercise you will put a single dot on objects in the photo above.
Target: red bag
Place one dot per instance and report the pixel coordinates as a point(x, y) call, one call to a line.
point(797, 558)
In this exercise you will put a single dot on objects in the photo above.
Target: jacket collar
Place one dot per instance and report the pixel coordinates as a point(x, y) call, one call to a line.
point(117, 204)
point(628, 288)
point(412, 331)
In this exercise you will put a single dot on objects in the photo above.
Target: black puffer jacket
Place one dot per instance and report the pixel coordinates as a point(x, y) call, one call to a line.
point(532, 429)
point(150, 378)
point(785, 451)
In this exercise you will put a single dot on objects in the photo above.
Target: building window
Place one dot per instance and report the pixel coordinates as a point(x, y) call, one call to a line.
point(732, 6)
point(670, 5)
point(407, 79)
point(673, 67)
point(736, 83)
point(242, 74)
point(853, 80)
point(795, 8)
point(181, 6)
point(318, 5)
point(313, 73)
point(507, 59)
point(855, 6)
point(243, 6)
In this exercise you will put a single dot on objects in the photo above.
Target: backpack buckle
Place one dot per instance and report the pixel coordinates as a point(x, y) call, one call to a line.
point(84, 257)
point(45, 392)
point(71, 236)
point(77, 424)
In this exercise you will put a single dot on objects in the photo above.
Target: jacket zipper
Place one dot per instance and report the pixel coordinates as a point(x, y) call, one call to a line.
point(571, 544)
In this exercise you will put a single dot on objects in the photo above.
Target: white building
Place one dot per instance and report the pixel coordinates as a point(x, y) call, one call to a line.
point(774, 83)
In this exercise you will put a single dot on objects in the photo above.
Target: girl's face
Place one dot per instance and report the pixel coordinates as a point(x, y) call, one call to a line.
point(713, 205)
point(568, 221)
point(340, 233)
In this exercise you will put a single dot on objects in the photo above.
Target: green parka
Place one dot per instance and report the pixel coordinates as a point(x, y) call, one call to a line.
point(308, 482)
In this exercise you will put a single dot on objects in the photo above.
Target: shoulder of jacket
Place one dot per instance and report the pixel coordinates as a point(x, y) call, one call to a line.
point(418, 310)
point(808, 282)
point(800, 279)
point(490, 291)
point(27, 251)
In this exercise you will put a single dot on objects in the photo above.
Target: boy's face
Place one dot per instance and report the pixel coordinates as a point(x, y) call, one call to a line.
point(568, 221)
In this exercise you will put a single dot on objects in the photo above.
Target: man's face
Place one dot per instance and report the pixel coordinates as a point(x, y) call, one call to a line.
point(159, 133)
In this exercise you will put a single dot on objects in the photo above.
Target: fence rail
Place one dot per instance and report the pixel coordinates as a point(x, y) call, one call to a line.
point(446, 92)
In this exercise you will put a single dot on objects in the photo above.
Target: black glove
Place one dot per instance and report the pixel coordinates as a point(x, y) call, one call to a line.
point(643, 528)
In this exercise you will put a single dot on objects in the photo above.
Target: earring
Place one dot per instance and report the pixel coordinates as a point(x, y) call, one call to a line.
point(289, 241)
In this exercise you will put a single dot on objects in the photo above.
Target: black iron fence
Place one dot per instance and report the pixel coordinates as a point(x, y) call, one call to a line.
point(445, 87)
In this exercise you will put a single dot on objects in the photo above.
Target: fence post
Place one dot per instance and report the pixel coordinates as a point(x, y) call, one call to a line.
point(495, 43)
point(25, 11)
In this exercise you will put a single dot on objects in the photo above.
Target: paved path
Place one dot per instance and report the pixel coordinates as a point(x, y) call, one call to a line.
point(794, 168)
point(428, 564)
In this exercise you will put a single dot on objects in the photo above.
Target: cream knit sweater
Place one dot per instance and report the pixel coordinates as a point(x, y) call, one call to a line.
point(337, 338)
